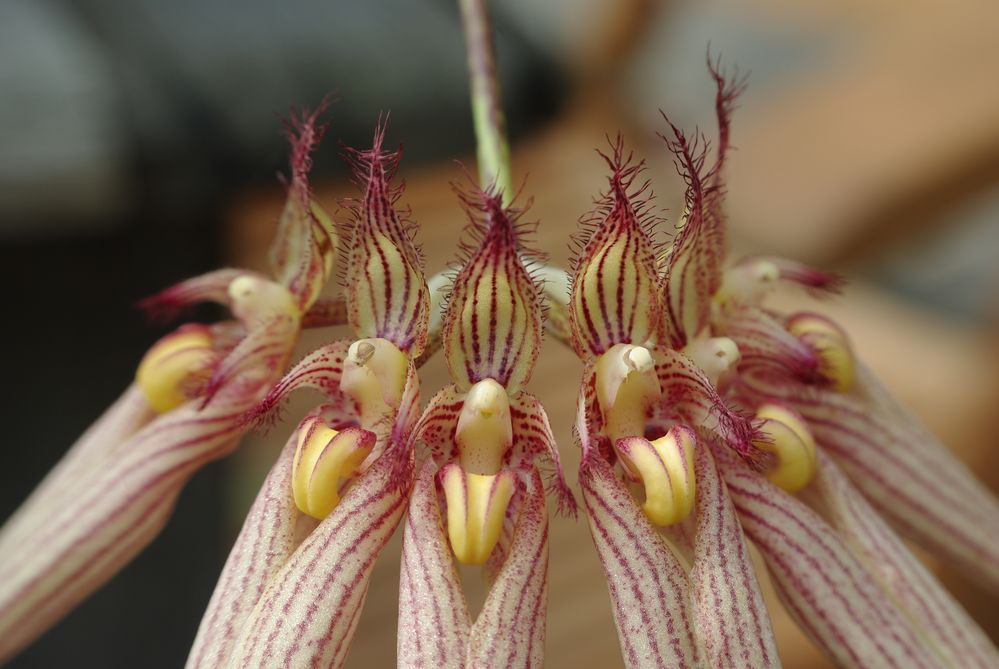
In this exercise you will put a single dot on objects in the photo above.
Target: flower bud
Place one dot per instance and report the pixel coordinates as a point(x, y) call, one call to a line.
point(789, 439)
point(176, 366)
point(255, 300)
point(476, 508)
point(323, 459)
point(666, 469)
point(715, 356)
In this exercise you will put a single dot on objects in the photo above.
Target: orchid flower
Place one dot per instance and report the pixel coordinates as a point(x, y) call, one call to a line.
point(295, 581)
point(706, 419)
point(113, 491)
point(485, 435)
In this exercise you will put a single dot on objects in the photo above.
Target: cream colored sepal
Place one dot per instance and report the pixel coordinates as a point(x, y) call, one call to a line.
point(626, 385)
point(476, 508)
point(485, 430)
point(790, 440)
point(374, 376)
point(666, 469)
point(323, 459)
point(254, 301)
point(174, 366)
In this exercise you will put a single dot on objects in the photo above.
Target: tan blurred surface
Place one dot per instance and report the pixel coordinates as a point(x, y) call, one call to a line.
point(796, 189)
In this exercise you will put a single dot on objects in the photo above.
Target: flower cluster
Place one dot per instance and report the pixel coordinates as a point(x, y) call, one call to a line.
point(706, 420)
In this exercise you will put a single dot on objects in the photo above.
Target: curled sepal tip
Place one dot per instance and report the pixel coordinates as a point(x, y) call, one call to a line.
point(613, 298)
point(386, 290)
point(476, 509)
point(831, 346)
point(492, 327)
point(787, 437)
point(176, 367)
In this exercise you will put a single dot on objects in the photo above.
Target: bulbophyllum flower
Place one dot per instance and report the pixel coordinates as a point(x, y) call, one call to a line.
point(114, 489)
point(291, 592)
point(485, 435)
point(705, 418)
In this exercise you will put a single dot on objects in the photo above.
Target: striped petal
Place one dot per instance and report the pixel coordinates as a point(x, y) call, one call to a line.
point(730, 618)
point(492, 327)
point(648, 586)
point(614, 298)
point(303, 250)
point(386, 290)
point(941, 620)
point(273, 529)
point(320, 370)
point(310, 608)
point(905, 472)
point(693, 261)
point(837, 602)
point(434, 621)
point(767, 348)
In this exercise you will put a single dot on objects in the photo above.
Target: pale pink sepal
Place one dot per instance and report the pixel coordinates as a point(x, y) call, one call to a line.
point(908, 474)
point(309, 610)
point(123, 418)
point(837, 602)
point(435, 627)
point(648, 585)
point(99, 521)
point(730, 619)
point(510, 629)
point(273, 529)
point(434, 622)
point(940, 619)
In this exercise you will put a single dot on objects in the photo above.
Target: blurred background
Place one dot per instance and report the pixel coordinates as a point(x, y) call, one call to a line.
point(140, 143)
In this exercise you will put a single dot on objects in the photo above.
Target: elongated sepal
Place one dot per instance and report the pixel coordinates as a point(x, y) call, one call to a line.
point(666, 469)
point(648, 587)
point(434, 622)
point(904, 471)
point(730, 619)
point(177, 367)
point(831, 346)
point(510, 629)
point(940, 619)
point(309, 609)
point(476, 507)
point(751, 279)
point(303, 250)
point(838, 603)
point(324, 458)
point(787, 437)
point(492, 327)
point(614, 298)
point(87, 529)
point(272, 531)
point(386, 290)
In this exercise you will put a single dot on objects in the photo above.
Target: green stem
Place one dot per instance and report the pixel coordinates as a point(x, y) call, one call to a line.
point(487, 114)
